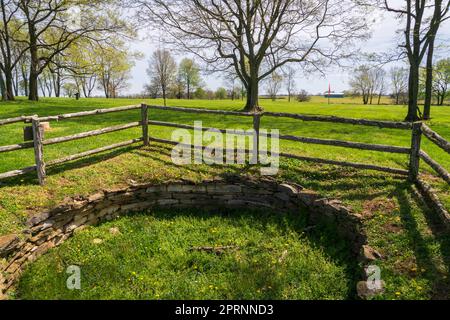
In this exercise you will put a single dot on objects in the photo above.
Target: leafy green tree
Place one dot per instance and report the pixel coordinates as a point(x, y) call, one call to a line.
point(69, 89)
point(441, 80)
point(114, 66)
point(221, 93)
point(53, 26)
point(12, 35)
point(189, 72)
point(200, 93)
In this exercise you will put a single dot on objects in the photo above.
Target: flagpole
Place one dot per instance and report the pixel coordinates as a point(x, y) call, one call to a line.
point(329, 93)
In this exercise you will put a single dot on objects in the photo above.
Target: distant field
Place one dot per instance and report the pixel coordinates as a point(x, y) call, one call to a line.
point(339, 107)
point(416, 251)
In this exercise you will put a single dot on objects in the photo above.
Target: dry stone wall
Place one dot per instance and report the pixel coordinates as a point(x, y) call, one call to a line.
point(51, 228)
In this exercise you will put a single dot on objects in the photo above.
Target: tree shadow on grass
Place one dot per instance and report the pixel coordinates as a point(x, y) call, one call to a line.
point(252, 275)
point(234, 169)
point(91, 160)
point(421, 245)
point(352, 184)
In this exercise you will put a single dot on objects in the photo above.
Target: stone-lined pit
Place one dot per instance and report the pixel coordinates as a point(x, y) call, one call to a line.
point(49, 229)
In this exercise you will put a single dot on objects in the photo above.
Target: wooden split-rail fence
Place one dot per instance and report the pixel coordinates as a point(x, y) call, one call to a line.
point(419, 130)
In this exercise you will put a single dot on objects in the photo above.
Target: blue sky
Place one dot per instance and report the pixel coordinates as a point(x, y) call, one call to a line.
point(383, 39)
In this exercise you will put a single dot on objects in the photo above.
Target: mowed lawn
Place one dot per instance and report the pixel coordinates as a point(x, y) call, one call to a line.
point(415, 249)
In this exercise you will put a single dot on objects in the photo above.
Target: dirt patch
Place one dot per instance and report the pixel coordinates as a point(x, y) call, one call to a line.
point(393, 228)
point(407, 266)
point(379, 205)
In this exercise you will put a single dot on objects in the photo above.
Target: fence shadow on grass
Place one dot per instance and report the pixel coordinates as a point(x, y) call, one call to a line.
point(166, 152)
point(30, 178)
point(441, 283)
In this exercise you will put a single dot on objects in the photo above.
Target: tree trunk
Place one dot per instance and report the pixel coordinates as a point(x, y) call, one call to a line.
point(188, 89)
point(34, 65)
point(2, 87)
point(33, 94)
point(365, 98)
point(164, 95)
point(9, 89)
point(252, 97)
point(25, 81)
point(57, 84)
point(429, 83)
point(413, 93)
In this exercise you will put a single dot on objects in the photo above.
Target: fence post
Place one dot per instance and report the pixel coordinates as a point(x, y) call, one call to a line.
point(38, 150)
point(144, 116)
point(415, 151)
point(256, 137)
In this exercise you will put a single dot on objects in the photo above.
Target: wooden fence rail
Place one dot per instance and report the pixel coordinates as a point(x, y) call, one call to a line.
point(436, 138)
point(16, 120)
point(89, 113)
point(415, 152)
point(93, 133)
point(361, 122)
point(14, 147)
point(443, 173)
point(418, 130)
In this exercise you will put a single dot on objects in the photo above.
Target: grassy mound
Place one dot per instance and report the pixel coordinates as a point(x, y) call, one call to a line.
point(163, 255)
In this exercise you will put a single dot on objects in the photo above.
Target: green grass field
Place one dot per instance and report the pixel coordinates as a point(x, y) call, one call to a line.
point(415, 249)
point(149, 257)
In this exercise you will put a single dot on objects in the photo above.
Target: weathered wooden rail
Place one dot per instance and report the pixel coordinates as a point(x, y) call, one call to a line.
point(419, 130)
point(38, 142)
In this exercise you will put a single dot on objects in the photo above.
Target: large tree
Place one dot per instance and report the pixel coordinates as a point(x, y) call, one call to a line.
point(12, 37)
point(258, 37)
point(422, 20)
point(439, 16)
point(54, 25)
